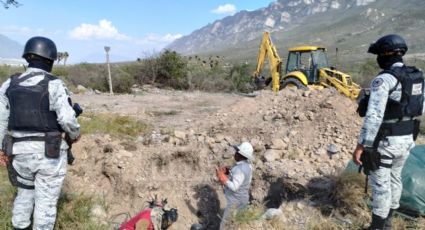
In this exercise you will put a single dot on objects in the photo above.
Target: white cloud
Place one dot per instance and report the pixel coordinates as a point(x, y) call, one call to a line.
point(13, 31)
point(225, 9)
point(168, 38)
point(104, 30)
point(121, 50)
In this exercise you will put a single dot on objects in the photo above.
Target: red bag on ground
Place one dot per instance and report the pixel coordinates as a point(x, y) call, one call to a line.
point(142, 221)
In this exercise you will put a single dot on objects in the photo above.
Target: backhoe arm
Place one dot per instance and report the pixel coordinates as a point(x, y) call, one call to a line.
point(267, 49)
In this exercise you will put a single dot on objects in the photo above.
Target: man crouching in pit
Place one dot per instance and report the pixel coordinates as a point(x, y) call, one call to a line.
point(237, 180)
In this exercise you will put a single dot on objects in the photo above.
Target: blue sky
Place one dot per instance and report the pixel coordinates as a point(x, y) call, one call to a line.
point(132, 28)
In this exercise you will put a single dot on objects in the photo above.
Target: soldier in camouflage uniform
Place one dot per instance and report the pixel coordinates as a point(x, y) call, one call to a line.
point(394, 147)
point(35, 112)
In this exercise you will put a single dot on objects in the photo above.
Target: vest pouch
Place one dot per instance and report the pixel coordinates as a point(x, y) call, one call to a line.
point(363, 101)
point(371, 160)
point(7, 145)
point(416, 128)
point(52, 145)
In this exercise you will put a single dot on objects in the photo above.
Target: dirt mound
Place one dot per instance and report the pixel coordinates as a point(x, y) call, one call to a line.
point(300, 138)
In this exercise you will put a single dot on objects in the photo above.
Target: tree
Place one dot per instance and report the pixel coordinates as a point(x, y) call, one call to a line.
point(173, 69)
point(8, 3)
point(59, 57)
point(65, 57)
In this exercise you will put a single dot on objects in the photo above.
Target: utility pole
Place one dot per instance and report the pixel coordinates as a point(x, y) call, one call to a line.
point(107, 48)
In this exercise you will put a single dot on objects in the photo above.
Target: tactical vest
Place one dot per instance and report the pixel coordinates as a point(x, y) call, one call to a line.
point(412, 94)
point(412, 97)
point(29, 105)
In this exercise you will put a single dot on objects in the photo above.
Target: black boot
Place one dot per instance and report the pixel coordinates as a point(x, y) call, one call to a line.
point(377, 223)
point(388, 220)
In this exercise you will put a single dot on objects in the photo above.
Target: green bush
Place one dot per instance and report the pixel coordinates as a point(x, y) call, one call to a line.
point(208, 79)
point(173, 70)
point(241, 77)
point(168, 69)
point(90, 76)
point(122, 81)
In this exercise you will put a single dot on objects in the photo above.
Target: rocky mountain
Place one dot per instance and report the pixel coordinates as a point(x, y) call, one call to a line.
point(351, 24)
point(9, 48)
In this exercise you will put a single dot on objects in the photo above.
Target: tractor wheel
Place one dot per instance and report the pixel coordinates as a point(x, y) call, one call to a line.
point(293, 82)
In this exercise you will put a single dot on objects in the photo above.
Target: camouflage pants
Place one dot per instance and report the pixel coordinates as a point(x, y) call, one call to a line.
point(46, 175)
point(386, 182)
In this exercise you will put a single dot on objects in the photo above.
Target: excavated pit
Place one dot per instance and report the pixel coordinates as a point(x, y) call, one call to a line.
point(291, 132)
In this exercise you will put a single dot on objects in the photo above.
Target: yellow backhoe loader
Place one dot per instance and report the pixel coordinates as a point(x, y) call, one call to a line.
point(306, 67)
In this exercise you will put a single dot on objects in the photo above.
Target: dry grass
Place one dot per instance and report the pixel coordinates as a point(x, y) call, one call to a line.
point(348, 200)
point(74, 211)
point(113, 124)
point(348, 193)
point(292, 154)
point(158, 113)
point(7, 194)
point(400, 223)
point(277, 224)
point(322, 223)
point(188, 157)
point(243, 219)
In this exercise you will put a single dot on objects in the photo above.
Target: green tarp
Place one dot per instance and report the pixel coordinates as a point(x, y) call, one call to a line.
point(413, 176)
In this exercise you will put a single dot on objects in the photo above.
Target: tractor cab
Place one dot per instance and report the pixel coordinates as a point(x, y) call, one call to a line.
point(308, 60)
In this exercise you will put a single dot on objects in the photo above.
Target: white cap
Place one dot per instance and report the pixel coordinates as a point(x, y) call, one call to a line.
point(246, 150)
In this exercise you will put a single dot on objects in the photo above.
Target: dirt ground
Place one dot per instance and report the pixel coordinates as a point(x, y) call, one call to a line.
point(301, 138)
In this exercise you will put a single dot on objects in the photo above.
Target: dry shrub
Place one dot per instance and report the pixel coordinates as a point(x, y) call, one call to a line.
point(348, 198)
point(189, 157)
point(279, 223)
point(243, 219)
point(348, 193)
point(161, 160)
point(399, 223)
point(322, 223)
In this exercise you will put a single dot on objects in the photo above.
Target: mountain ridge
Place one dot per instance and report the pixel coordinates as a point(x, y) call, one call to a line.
point(350, 24)
point(9, 48)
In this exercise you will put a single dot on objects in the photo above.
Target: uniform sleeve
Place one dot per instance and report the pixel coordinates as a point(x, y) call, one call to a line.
point(60, 103)
point(236, 180)
point(379, 92)
point(4, 109)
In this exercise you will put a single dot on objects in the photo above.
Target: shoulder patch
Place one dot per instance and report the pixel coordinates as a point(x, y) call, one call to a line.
point(377, 82)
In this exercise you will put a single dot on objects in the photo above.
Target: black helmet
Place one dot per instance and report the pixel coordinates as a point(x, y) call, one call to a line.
point(42, 47)
point(389, 43)
point(197, 227)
